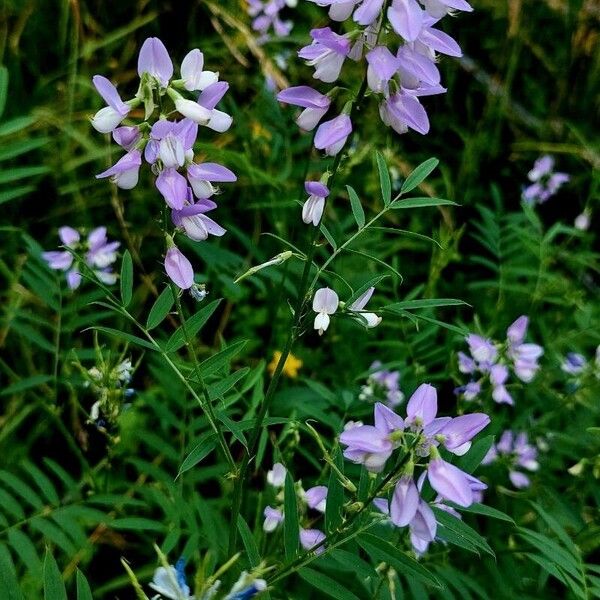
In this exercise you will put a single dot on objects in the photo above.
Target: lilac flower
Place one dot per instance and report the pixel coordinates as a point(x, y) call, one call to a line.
point(173, 187)
point(423, 528)
point(498, 377)
point(202, 176)
point(179, 269)
point(126, 136)
point(440, 8)
point(332, 135)
point(276, 476)
point(545, 182)
point(465, 363)
point(406, 18)
point(405, 501)
point(518, 330)
point(309, 538)
point(155, 61)
point(403, 111)
point(422, 406)
point(483, 351)
point(218, 120)
point(326, 53)
point(106, 119)
point(384, 385)
point(371, 319)
point(519, 454)
point(470, 391)
point(325, 303)
point(383, 65)
point(312, 210)
point(99, 254)
point(125, 172)
point(526, 358)
point(372, 445)
point(449, 482)
point(574, 363)
point(273, 518)
point(193, 220)
point(266, 16)
point(314, 103)
point(456, 435)
point(193, 75)
point(316, 497)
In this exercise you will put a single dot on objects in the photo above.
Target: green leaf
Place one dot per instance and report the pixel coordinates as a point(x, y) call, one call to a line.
point(54, 586)
point(384, 179)
point(198, 453)
point(17, 173)
point(83, 587)
point(233, 427)
point(335, 496)
point(327, 585)
point(249, 542)
point(470, 461)
point(9, 584)
point(357, 209)
point(25, 384)
point(219, 389)
point(291, 527)
point(381, 550)
point(16, 124)
point(219, 360)
point(425, 303)
point(160, 309)
point(126, 278)
point(419, 175)
point(3, 88)
point(487, 511)
point(133, 339)
point(328, 236)
point(456, 532)
point(192, 327)
point(421, 203)
point(136, 524)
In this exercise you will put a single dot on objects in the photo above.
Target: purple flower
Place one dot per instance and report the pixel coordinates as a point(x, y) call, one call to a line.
point(440, 8)
point(276, 476)
point(422, 406)
point(202, 176)
point(382, 67)
point(309, 538)
point(423, 528)
point(193, 220)
point(405, 501)
point(545, 183)
point(126, 171)
point(326, 53)
point(457, 434)
point(273, 518)
point(312, 211)
point(406, 17)
point(519, 480)
point(574, 363)
point(498, 376)
point(101, 253)
point(449, 482)
point(470, 391)
point(465, 363)
point(316, 497)
point(518, 330)
point(179, 269)
point(155, 60)
point(127, 137)
point(403, 111)
point(325, 303)
point(314, 103)
point(483, 351)
point(383, 383)
point(173, 187)
point(332, 135)
point(106, 119)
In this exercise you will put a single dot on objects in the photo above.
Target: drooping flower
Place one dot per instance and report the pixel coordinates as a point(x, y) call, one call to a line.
point(125, 172)
point(193, 75)
point(519, 453)
point(192, 219)
point(276, 476)
point(316, 497)
point(332, 135)
point(368, 318)
point(449, 482)
point(545, 182)
point(383, 385)
point(312, 210)
point(405, 501)
point(273, 518)
point(179, 269)
point(108, 118)
point(326, 53)
point(309, 538)
point(314, 103)
point(325, 303)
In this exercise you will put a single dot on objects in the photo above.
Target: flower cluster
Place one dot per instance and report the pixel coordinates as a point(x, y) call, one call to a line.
point(97, 252)
point(515, 451)
point(167, 145)
point(545, 182)
point(400, 69)
point(326, 302)
point(265, 16)
point(382, 385)
point(419, 437)
point(171, 583)
point(315, 498)
point(490, 361)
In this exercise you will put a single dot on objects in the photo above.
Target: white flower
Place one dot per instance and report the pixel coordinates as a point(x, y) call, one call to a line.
point(276, 476)
point(166, 583)
point(372, 320)
point(325, 303)
point(194, 78)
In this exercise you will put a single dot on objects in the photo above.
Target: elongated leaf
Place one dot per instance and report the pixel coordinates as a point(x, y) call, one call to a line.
point(136, 524)
point(335, 496)
point(249, 542)
point(291, 527)
point(470, 461)
point(3, 88)
point(381, 550)
point(25, 384)
point(126, 278)
point(421, 203)
point(16, 124)
point(219, 389)
point(327, 585)
point(192, 326)
point(384, 179)
point(160, 309)
point(364, 287)
point(425, 303)
point(459, 533)
point(419, 175)
point(328, 236)
point(487, 511)
point(9, 583)
point(221, 359)
point(233, 427)
point(133, 339)
point(54, 587)
point(198, 453)
point(357, 209)
point(17, 173)
point(84, 591)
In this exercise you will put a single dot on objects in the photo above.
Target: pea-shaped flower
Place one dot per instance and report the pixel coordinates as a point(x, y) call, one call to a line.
point(312, 211)
point(325, 303)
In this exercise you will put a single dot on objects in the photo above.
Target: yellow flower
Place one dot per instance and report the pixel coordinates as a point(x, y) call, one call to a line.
point(290, 368)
